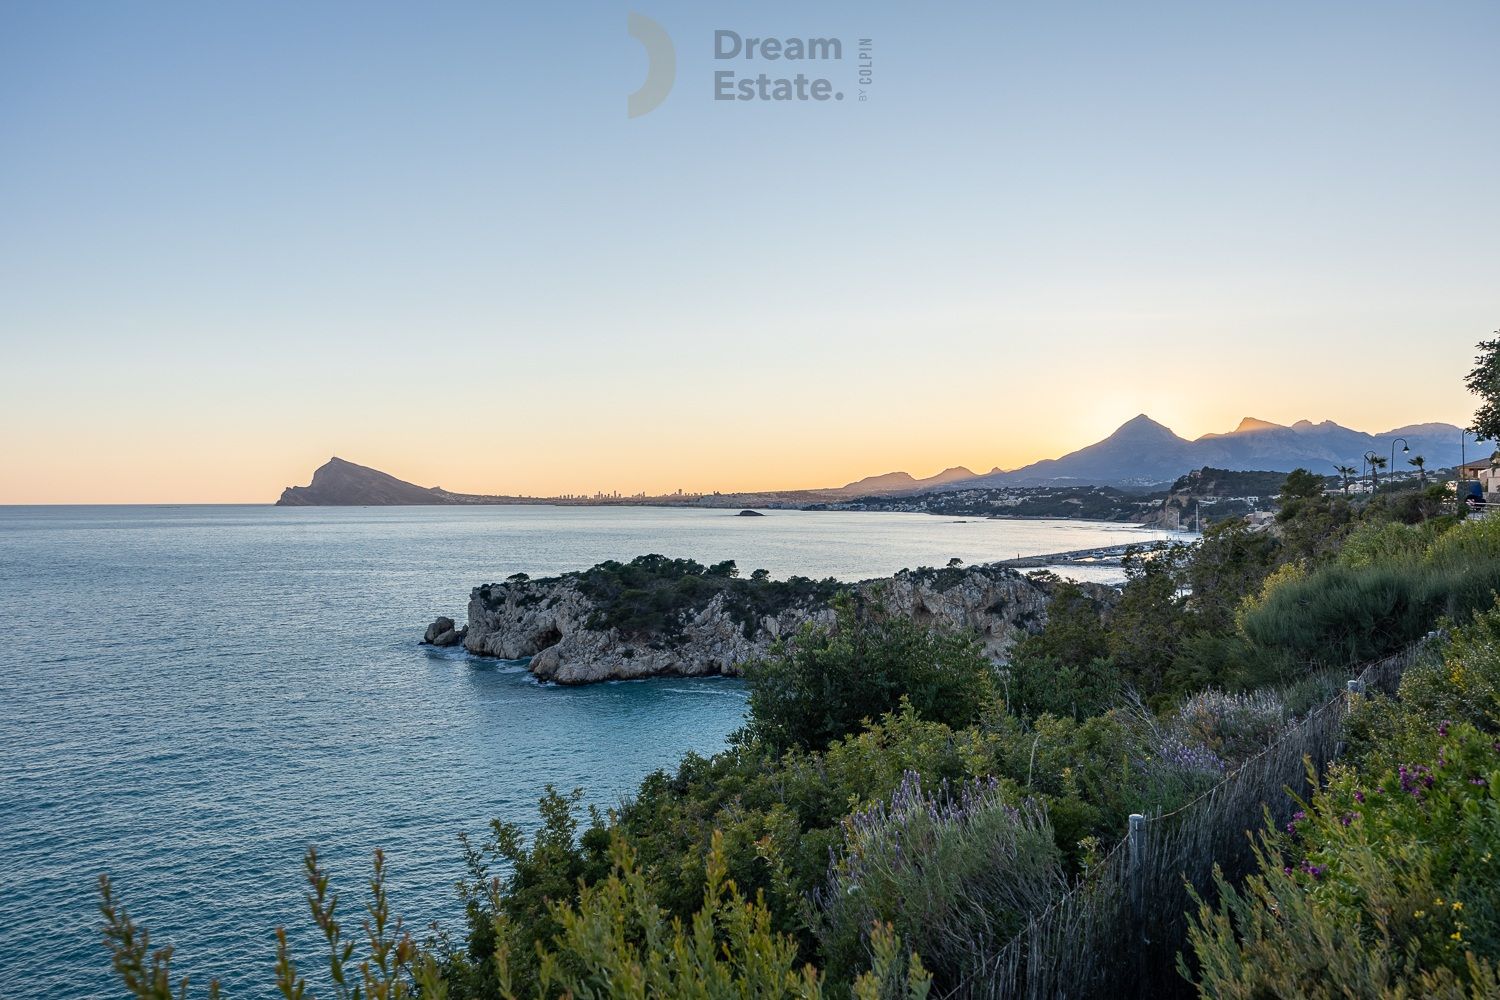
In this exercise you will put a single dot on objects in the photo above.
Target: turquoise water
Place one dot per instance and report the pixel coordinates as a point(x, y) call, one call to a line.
point(195, 694)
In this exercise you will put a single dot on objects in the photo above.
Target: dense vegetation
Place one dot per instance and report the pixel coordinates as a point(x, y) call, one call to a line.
point(1385, 883)
point(1211, 482)
point(652, 597)
point(896, 807)
point(954, 799)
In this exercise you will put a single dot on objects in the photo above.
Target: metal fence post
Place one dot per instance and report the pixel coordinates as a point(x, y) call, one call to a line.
point(1137, 839)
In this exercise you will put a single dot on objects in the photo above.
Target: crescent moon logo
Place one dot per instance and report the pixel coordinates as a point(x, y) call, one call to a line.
point(661, 69)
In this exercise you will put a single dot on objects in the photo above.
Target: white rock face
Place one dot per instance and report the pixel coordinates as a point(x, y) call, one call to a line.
point(547, 620)
point(1000, 605)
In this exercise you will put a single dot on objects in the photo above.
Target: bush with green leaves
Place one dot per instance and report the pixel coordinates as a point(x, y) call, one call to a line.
point(781, 814)
point(1063, 668)
point(829, 682)
point(615, 941)
point(512, 885)
point(1387, 594)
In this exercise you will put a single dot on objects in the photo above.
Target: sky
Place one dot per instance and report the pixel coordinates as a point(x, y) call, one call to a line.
point(239, 238)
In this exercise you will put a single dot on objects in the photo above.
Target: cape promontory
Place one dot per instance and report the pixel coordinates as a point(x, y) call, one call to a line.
point(338, 483)
point(656, 616)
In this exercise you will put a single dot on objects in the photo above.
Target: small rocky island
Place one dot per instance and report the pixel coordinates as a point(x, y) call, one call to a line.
point(749, 513)
point(656, 616)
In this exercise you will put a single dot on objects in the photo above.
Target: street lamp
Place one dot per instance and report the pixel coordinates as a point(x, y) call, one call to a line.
point(1404, 450)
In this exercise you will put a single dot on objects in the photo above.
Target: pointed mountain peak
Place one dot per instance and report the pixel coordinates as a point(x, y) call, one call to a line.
point(1142, 428)
point(1140, 420)
point(1249, 425)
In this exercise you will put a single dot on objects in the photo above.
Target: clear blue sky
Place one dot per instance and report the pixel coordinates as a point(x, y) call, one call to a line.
point(240, 237)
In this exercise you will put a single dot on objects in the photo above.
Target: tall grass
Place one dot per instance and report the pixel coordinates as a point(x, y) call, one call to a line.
point(1118, 932)
point(956, 871)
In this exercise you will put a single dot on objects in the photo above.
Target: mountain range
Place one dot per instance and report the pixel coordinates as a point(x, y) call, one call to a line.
point(1140, 453)
point(1143, 452)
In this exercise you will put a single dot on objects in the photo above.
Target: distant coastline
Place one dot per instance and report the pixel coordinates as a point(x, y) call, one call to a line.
point(1203, 496)
point(1140, 458)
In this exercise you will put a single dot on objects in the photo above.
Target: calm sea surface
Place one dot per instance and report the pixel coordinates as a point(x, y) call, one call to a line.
point(192, 695)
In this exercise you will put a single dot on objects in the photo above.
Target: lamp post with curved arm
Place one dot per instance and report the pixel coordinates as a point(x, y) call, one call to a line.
point(1405, 450)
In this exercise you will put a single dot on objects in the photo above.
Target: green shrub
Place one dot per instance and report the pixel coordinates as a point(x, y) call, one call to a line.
point(616, 942)
point(1388, 591)
point(829, 682)
point(781, 815)
point(1035, 686)
point(513, 912)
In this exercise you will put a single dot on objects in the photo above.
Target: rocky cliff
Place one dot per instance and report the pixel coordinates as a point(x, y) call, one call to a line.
point(337, 483)
point(613, 623)
point(1206, 496)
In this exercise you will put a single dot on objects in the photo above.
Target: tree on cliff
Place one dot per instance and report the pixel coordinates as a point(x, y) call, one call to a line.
point(1484, 382)
point(826, 683)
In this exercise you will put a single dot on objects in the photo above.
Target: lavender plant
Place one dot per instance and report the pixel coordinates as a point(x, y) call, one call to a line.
point(955, 870)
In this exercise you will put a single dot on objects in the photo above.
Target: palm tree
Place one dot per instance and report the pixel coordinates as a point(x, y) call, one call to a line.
point(1376, 464)
point(1348, 473)
point(1420, 464)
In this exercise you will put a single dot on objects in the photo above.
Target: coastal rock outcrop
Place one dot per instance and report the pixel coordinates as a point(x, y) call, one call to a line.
point(444, 632)
point(576, 631)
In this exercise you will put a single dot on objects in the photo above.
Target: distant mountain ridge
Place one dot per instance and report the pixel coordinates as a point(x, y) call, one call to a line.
point(1140, 452)
point(903, 481)
point(1143, 451)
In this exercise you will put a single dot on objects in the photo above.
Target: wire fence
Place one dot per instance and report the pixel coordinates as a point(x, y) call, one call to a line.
point(1118, 933)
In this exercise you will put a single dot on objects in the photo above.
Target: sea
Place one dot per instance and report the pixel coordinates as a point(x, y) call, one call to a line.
point(192, 695)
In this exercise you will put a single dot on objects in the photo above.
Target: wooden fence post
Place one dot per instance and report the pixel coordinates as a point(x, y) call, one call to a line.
point(1137, 839)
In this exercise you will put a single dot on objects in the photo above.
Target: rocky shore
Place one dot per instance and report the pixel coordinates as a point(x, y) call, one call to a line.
point(656, 617)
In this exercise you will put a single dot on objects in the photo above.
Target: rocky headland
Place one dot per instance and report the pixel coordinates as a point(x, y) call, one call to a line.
point(337, 483)
point(656, 616)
